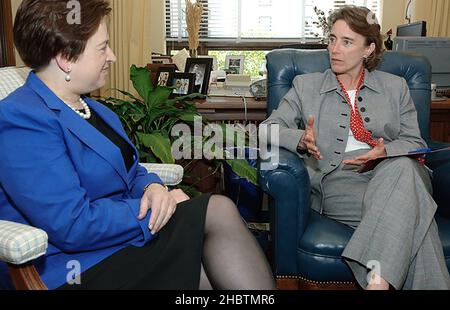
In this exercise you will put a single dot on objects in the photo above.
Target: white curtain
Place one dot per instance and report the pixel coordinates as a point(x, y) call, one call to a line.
point(436, 13)
point(130, 39)
point(439, 20)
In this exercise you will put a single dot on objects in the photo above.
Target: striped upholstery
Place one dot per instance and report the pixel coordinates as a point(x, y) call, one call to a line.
point(170, 174)
point(12, 78)
point(21, 243)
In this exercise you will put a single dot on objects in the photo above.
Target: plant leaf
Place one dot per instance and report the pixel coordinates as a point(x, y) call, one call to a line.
point(158, 97)
point(189, 190)
point(136, 117)
point(189, 117)
point(147, 157)
point(127, 94)
point(159, 144)
point(185, 98)
point(142, 82)
point(243, 169)
point(113, 101)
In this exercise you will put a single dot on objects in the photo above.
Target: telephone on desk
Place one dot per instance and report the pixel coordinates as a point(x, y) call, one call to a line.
point(259, 89)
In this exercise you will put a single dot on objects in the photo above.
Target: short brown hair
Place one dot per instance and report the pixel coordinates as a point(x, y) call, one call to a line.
point(42, 29)
point(359, 19)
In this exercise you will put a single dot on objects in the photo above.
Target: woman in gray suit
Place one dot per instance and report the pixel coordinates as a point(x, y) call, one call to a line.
point(339, 120)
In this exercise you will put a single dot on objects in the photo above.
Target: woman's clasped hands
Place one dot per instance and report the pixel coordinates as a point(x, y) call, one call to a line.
point(162, 203)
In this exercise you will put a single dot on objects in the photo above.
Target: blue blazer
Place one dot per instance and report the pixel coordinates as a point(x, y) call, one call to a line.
point(60, 174)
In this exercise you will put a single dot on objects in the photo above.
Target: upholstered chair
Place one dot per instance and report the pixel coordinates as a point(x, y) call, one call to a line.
point(307, 246)
point(21, 244)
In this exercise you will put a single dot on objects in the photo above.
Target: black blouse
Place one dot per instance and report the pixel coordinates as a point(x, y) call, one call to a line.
point(125, 148)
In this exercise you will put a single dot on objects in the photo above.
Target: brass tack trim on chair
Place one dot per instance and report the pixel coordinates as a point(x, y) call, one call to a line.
point(312, 281)
point(300, 283)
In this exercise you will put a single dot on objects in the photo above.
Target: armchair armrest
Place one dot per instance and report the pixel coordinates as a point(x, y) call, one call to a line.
point(170, 174)
point(21, 243)
point(289, 189)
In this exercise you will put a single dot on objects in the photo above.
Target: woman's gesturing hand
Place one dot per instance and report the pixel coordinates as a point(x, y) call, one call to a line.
point(308, 140)
point(378, 151)
point(161, 202)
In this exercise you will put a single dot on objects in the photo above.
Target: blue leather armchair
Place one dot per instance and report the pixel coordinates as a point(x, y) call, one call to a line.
point(307, 246)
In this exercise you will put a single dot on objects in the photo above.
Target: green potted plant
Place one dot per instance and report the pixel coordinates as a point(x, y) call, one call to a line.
point(149, 119)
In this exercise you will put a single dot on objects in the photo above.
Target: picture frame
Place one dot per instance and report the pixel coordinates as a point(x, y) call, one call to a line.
point(201, 67)
point(215, 67)
point(234, 64)
point(162, 75)
point(183, 83)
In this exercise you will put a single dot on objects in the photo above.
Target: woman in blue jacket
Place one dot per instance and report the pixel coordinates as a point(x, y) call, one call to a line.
point(67, 167)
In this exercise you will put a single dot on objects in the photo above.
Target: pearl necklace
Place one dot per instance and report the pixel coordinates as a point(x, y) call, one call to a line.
point(87, 113)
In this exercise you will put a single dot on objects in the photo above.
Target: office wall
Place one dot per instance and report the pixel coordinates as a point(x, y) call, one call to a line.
point(393, 14)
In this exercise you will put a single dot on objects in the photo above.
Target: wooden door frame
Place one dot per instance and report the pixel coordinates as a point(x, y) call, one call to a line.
point(7, 57)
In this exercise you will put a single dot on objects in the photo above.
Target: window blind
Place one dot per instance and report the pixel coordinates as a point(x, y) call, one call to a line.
point(246, 20)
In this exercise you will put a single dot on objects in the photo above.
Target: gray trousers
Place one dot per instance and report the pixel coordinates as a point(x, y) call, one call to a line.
point(392, 211)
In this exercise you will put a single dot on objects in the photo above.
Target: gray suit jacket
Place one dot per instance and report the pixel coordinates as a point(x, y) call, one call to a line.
point(385, 106)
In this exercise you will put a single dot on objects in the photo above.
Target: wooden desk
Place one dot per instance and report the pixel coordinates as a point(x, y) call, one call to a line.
point(232, 109)
point(440, 121)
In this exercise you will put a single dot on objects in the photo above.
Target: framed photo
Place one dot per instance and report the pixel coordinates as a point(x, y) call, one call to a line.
point(183, 82)
point(201, 67)
point(234, 64)
point(162, 75)
point(214, 58)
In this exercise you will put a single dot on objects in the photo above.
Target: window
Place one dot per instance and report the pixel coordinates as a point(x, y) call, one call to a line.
point(264, 3)
point(251, 27)
point(265, 23)
point(254, 62)
point(254, 20)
